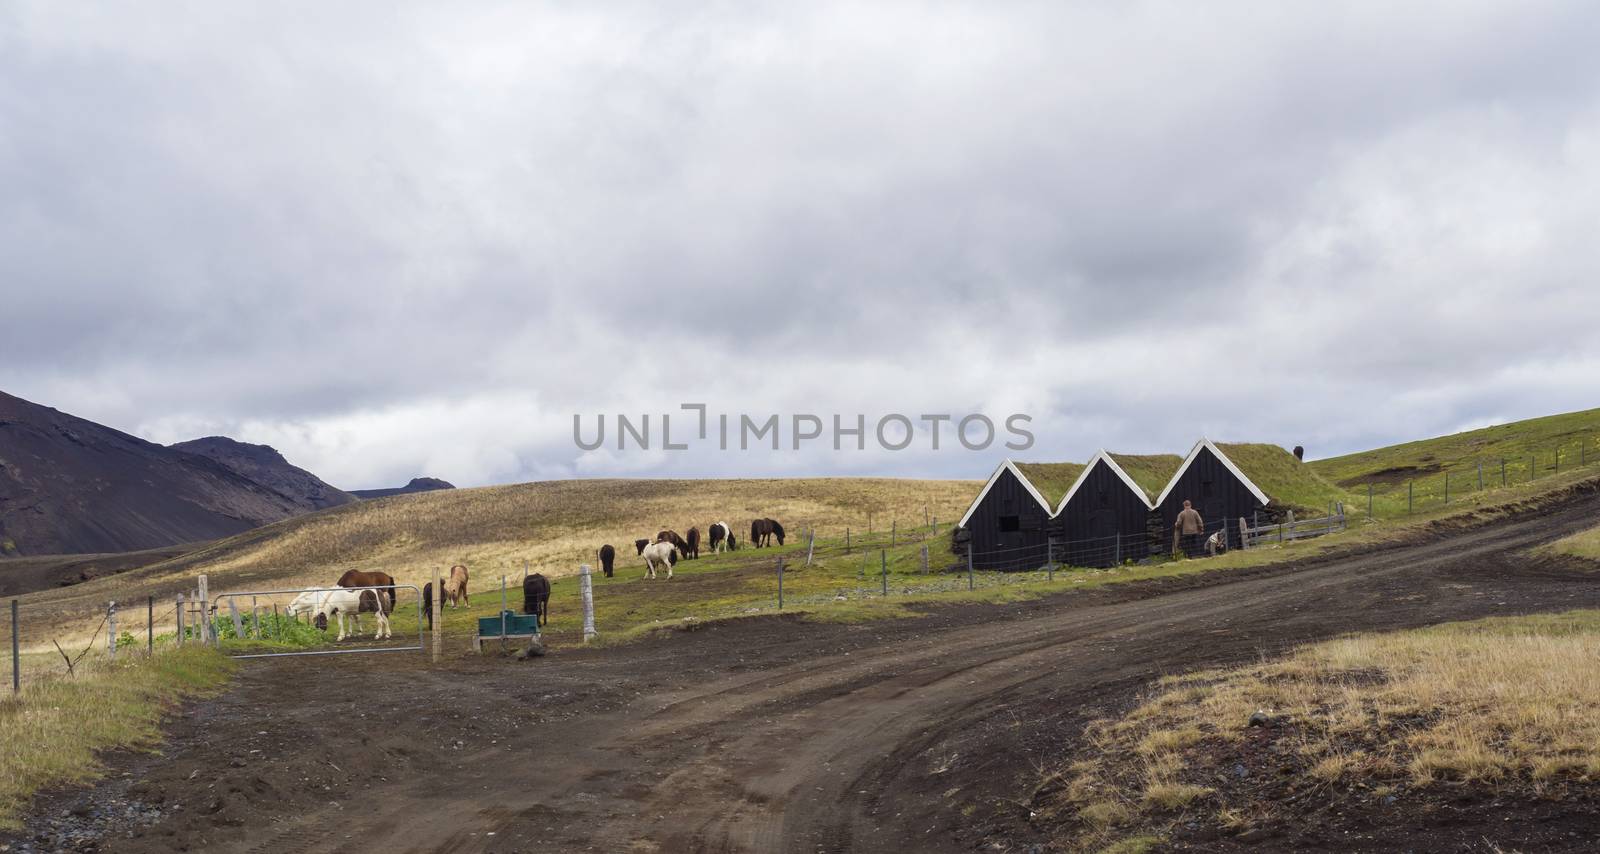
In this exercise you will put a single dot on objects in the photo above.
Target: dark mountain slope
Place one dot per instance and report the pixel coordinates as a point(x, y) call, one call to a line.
point(264, 465)
point(68, 485)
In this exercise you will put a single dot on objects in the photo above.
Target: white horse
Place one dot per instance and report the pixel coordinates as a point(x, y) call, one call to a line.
point(341, 602)
point(306, 603)
point(662, 554)
point(719, 543)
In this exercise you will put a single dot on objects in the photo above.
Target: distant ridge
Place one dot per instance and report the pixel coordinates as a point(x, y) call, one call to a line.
point(264, 465)
point(417, 484)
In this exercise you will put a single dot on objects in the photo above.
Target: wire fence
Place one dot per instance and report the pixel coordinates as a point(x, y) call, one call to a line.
point(1417, 490)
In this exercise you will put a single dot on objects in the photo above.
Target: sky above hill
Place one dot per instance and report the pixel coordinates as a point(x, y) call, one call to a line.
point(397, 239)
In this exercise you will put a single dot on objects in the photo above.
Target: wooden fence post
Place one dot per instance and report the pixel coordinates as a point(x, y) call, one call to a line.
point(205, 611)
point(233, 612)
point(1049, 558)
point(1409, 485)
point(847, 539)
point(811, 544)
point(1291, 525)
point(1244, 534)
point(438, 617)
point(780, 583)
point(179, 610)
point(894, 526)
point(1502, 471)
point(924, 558)
point(16, 652)
point(883, 559)
point(586, 592)
point(150, 624)
point(969, 565)
point(111, 630)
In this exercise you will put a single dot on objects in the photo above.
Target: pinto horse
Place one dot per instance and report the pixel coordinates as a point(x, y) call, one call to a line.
point(717, 534)
point(662, 554)
point(763, 530)
point(342, 603)
point(357, 578)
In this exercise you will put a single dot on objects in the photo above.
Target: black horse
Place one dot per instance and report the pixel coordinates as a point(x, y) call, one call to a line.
point(536, 597)
point(763, 530)
point(607, 556)
point(691, 540)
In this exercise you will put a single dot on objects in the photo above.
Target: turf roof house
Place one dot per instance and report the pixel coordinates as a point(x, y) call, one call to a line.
point(1221, 489)
point(1104, 518)
point(1008, 525)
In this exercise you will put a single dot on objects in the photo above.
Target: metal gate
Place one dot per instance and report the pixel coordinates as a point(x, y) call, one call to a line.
point(252, 617)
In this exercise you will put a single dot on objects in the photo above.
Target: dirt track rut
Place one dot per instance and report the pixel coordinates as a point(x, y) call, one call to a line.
point(769, 735)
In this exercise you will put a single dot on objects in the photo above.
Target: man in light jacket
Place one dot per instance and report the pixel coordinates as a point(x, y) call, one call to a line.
point(1188, 528)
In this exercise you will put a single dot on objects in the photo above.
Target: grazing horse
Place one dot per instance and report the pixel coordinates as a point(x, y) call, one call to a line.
point(731, 544)
point(536, 596)
point(692, 543)
point(659, 554)
point(357, 578)
point(607, 556)
point(718, 536)
point(342, 603)
point(456, 586)
point(763, 530)
point(427, 603)
point(673, 538)
point(640, 544)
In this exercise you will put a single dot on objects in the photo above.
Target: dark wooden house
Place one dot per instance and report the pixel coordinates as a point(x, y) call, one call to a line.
point(1217, 487)
point(1104, 518)
point(1008, 524)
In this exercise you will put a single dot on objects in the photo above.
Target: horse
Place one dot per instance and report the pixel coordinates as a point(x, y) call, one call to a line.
point(718, 536)
point(692, 539)
point(607, 555)
point(536, 596)
point(306, 603)
point(427, 603)
point(357, 578)
point(340, 603)
point(731, 544)
point(673, 538)
point(640, 544)
point(763, 530)
point(456, 586)
point(659, 554)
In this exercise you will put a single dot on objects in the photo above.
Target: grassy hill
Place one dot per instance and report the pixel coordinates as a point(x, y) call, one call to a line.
point(1150, 471)
point(549, 527)
point(1425, 473)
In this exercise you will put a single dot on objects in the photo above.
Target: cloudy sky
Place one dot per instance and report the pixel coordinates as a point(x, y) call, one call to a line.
point(395, 240)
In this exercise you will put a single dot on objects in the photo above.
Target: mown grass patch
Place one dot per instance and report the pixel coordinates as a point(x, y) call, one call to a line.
point(51, 733)
point(1584, 544)
point(1498, 703)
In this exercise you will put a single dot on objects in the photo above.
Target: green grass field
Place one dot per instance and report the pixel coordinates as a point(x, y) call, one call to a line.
point(1430, 471)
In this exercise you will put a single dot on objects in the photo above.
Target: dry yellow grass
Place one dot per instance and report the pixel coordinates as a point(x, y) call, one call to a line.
point(1506, 701)
point(49, 735)
point(552, 527)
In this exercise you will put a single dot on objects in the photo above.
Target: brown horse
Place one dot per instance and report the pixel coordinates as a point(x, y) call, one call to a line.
point(608, 555)
point(692, 543)
point(673, 538)
point(455, 587)
point(357, 578)
point(763, 530)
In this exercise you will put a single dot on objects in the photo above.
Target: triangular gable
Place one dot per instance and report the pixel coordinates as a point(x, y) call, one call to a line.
point(1106, 458)
point(1206, 444)
point(1005, 466)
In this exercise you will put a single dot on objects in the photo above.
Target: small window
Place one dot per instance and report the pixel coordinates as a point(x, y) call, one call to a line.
point(1205, 489)
point(1010, 523)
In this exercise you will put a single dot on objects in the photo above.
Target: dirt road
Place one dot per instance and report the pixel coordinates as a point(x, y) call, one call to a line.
point(756, 735)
